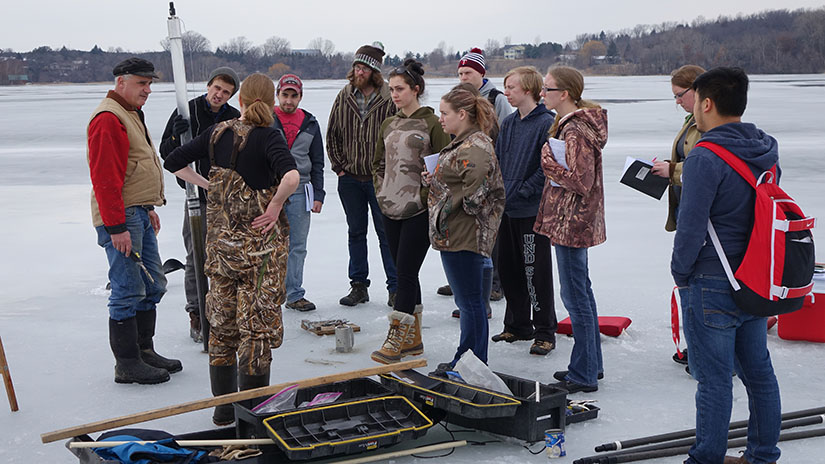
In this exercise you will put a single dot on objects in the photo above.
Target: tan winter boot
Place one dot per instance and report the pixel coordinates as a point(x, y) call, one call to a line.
point(412, 344)
point(390, 351)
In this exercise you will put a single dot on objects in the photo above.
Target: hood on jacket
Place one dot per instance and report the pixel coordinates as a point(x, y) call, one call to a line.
point(421, 113)
point(595, 119)
point(536, 112)
point(748, 142)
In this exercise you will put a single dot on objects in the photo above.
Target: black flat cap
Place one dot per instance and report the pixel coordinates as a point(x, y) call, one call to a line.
point(136, 66)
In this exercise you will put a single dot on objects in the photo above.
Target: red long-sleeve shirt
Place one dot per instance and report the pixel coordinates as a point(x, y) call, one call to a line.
point(108, 157)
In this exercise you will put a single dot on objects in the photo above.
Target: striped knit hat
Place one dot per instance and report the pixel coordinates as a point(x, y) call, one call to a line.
point(370, 55)
point(474, 59)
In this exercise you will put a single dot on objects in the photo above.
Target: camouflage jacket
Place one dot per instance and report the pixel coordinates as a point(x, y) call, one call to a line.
point(466, 195)
point(403, 142)
point(572, 215)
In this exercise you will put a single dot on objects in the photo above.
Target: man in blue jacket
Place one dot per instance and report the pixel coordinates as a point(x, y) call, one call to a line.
point(722, 337)
point(524, 257)
point(303, 136)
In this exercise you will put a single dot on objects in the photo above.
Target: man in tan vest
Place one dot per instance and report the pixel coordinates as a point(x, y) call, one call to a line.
point(127, 184)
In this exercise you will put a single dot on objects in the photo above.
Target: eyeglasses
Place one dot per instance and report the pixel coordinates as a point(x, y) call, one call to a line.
point(550, 89)
point(681, 94)
point(362, 69)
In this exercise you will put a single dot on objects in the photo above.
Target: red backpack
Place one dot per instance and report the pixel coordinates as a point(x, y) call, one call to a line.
point(777, 270)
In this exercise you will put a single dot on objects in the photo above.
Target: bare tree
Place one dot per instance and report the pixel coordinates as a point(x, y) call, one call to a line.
point(508, 40)
point(192, 42)
point(325, 45)
point(237, 46)
point(276, 46)
point(436, 57)
point(491, 47)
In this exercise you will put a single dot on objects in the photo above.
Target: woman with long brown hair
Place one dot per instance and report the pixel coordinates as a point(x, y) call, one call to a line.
point(247, 244)
point(465, 204)
point(403, 141)
point(571, 214)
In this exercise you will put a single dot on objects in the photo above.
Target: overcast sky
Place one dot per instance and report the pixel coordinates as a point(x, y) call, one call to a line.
point(401, 25)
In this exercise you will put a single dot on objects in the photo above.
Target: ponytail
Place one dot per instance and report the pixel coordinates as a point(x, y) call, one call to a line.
point(481, 113)
point(257, 95)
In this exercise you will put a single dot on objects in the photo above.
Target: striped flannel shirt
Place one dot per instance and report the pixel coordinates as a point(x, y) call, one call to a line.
point(351, 139)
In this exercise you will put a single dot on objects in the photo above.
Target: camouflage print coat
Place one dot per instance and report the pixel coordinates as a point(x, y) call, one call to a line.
point(403, 142)
point(246, 269)
point(466, 195)
point(572, 215)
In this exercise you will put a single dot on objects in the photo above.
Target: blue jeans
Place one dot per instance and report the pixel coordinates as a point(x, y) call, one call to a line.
point(131, 289)
point(722, 338)
point(358, 198)
point(470, 275)
point(299, 218)
point(577, 296)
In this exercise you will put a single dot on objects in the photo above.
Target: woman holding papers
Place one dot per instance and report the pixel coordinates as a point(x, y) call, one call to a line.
point(681, 81)
point(465, 205)
point(571, 214)
point(403, 141)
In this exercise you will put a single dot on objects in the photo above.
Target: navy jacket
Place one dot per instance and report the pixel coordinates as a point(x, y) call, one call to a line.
point(712, 189)
point(308, 151)
point(518, 149)
point(201, 118)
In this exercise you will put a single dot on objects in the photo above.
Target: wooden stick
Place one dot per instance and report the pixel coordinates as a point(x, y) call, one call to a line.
point(223, 399)
point(226, 442)
point(396, 454)
point(4, 366)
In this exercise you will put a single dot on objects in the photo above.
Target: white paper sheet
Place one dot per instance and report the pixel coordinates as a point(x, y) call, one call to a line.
point(559, 153)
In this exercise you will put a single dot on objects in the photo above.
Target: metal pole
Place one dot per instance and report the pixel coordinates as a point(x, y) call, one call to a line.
point(193, 205)
point(624, 444)
point(735, 443)
point(734, 433)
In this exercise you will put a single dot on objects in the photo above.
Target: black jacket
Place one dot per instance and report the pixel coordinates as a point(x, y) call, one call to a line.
point(201, 118)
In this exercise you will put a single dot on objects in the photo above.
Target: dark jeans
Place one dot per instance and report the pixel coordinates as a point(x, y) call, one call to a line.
point(358, 198)
point(470, 275)
point(413, 233)
point(526, 269)
point(722, 339)
point(577, 296)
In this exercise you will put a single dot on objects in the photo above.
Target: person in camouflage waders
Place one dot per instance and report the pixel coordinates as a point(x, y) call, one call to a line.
point(252, 174)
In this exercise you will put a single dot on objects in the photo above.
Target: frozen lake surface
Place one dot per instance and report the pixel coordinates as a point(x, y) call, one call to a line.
point(53, 301)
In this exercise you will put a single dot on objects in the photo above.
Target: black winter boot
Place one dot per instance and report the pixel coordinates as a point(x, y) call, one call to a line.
point(129, 367)
point(146, 330)
point(224, 379)
point(357, 294)
point(248, 382)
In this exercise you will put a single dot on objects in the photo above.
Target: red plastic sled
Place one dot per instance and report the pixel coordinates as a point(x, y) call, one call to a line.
point(612, 326)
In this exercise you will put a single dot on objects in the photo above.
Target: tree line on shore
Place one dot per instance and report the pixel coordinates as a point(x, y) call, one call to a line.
point(769, 42)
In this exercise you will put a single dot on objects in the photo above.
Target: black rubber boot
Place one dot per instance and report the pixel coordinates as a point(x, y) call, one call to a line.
point(248, 382)
point(224, 379)
point(146, 330)
point(357, 294)
point(129, 367)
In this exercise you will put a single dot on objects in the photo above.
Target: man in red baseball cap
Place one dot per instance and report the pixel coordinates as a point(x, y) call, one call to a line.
point(303, 136)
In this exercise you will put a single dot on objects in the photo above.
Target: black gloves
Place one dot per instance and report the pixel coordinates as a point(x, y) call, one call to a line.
point(179, 126)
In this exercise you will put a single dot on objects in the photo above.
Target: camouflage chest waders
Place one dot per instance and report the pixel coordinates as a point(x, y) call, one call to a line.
point(246, 269)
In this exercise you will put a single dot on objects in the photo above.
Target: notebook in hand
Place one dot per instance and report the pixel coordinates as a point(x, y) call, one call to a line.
point(637, 174)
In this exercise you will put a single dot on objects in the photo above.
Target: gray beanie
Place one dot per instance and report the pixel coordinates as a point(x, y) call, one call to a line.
point(226, 71)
